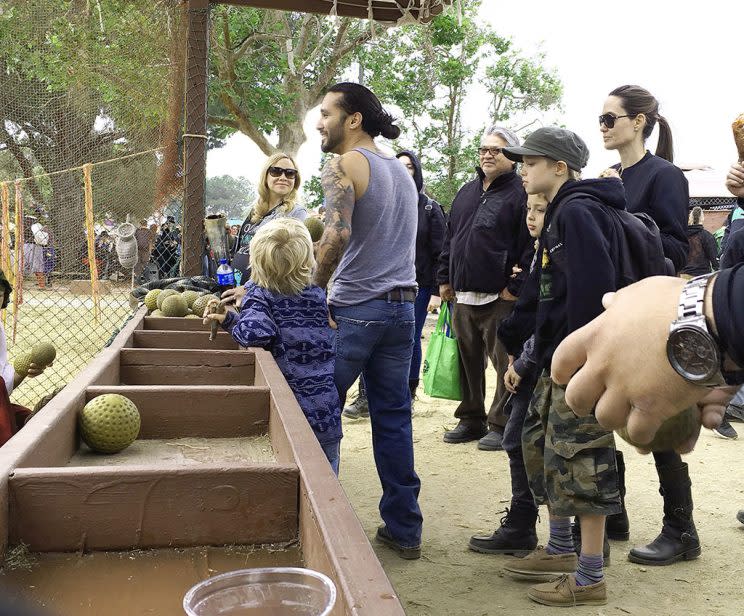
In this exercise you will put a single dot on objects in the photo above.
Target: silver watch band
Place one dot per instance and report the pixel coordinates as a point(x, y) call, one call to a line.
point(691, 300)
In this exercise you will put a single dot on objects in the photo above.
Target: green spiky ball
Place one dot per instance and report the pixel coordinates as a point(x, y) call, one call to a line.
point(200, 304)
point(174, 306)
point(193, 316)
point(157, 314)
point(163, 294)
point(674, 432)
point(316, 228)
point(151, 299)
point(43, 354)
point(109, 423)
point(190, 296)
point(22, 363)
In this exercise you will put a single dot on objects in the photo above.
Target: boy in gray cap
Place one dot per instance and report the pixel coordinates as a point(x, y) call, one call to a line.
point(570, 460)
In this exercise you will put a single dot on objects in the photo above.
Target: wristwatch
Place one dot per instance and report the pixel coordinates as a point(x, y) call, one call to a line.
point(692, 350)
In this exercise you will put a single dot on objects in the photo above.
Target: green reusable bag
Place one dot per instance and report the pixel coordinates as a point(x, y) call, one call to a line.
point(442, 362)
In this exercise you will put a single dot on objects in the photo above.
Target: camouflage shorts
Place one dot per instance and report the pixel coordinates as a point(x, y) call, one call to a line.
point(570, 460)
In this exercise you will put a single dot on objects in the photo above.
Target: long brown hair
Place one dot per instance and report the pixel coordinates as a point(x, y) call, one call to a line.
point(637, 100)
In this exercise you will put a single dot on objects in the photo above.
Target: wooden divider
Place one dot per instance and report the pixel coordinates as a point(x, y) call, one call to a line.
point(207, 411)
point(185, 367)
point(333, 540)
point(174, 324)
point(152, 339)
point(104, 508)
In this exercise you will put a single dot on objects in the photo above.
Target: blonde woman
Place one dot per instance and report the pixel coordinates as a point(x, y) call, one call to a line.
point(284, 313)
point(278, 184)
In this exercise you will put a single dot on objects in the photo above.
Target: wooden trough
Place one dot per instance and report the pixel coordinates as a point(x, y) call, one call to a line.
point(225, 457)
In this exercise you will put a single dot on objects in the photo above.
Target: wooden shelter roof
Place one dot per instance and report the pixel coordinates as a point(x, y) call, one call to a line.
point(382, 10)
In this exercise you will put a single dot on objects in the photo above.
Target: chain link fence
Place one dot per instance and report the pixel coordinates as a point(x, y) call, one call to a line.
point(91, 97)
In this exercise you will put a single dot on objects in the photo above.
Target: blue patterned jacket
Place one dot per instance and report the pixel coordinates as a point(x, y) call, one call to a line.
point(294, 328)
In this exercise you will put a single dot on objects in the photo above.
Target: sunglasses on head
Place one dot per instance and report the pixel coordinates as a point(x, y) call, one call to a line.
point(608, 119)
point(484, 150)
point(277, 172)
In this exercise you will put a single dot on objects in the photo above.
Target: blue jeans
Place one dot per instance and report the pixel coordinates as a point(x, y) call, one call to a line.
point(420, 308)
point(332, 450)
point(376, 338)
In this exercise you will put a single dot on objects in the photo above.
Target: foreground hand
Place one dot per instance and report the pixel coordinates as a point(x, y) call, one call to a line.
point(609, 173)
point(233, 296)
point(735, 180)
point(213, 316)
point(36, 369)
point(507, 296)
point(617, 363)
point(511, 379)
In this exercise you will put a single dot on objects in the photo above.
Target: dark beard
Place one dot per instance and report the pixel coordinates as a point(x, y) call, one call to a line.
point(331, 142)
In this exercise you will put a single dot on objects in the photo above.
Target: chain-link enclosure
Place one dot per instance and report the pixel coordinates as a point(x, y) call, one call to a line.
point(91, 99)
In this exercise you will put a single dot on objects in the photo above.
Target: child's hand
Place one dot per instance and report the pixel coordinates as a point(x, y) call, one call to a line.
point(511, 379)
point(516, 270)
point(609, 173)
point(213, 316)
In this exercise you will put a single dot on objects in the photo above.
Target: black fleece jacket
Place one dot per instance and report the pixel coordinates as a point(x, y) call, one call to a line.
point(728, 297)
point(577, 253)
point(658, 188)
point(702, 257)
point(430, 231)
point(486, 236)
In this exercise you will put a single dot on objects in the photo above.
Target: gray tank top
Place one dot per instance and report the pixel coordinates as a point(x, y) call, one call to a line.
point(382, 248)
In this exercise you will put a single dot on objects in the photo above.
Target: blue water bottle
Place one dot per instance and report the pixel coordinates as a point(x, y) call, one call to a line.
point(225, 276)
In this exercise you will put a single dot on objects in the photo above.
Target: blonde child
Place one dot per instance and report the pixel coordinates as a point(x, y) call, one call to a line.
point(284, 313)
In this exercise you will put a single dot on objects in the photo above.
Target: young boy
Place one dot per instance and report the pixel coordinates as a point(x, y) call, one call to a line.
point(283, 313)
point(517, 534)
point(570, 461)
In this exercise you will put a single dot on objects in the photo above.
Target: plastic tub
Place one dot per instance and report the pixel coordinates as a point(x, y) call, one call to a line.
point(272, 591)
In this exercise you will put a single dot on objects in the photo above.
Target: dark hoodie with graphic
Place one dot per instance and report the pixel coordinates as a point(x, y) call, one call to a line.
point(430, 232)
point(576, 258)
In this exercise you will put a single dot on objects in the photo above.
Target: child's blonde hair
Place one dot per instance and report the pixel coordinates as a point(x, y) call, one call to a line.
point(282, 256)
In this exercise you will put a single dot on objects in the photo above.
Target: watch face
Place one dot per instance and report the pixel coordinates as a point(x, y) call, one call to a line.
point(693, 354)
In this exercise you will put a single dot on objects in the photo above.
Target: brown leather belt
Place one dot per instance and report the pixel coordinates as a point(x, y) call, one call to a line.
point(401, 294)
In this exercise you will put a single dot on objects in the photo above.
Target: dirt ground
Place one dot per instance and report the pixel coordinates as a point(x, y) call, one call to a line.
point(463, 491)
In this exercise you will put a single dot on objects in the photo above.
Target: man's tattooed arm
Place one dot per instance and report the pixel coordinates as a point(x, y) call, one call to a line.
point(338, 190)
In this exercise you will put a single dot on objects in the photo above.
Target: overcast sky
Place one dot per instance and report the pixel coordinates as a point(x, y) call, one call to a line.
point(689, 55)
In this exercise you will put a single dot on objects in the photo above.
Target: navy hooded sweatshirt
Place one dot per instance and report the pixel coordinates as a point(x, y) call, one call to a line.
point(658, 188)
point(430, 230)
point(575, 267)
point(486, 236)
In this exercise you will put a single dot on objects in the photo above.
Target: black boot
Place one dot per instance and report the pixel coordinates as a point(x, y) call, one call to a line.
point(678, 539)
point(618, 525)
point(516, 535)
point(576, 534)
point(412, 387)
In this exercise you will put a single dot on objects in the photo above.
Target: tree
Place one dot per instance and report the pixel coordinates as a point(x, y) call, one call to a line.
point(429, 71)
point(269, 68)
point(230, 196)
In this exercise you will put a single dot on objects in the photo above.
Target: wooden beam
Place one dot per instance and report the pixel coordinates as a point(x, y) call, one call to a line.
point(194, 138)
point(183, 340)
point(123, 508)
point(185, 367)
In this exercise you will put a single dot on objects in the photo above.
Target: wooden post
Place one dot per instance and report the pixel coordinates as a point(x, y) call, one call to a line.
point(194, 138)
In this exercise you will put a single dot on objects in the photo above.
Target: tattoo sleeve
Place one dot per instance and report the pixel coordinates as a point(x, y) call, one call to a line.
point(338, 191)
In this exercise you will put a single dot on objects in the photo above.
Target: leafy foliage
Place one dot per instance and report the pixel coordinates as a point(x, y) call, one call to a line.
point(230, 195)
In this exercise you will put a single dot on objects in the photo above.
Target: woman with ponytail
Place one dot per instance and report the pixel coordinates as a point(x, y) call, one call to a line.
point(703, 255)
point(654, 186)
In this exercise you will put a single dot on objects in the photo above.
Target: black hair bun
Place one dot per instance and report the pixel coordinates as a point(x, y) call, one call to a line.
point(390, 131)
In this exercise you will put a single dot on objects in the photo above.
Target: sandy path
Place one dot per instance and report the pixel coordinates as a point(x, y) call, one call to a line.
point(463, 490)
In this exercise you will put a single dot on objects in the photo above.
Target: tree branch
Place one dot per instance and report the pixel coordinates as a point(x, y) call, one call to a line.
point(26, 167)
point(246, 126)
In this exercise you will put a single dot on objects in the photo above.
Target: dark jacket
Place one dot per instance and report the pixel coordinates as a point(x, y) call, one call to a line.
point(577, 253)
point(734, 222)
point(430, 231)
point(727, 297)
point(658, 188)
point(486, 236)
point(734, 253)
point(702, 257)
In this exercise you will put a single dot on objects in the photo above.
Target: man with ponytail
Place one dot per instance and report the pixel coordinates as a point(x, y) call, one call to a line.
point(370, 243)
point(655, 186)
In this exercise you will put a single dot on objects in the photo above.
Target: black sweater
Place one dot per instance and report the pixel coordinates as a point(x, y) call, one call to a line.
point(728, 297)
point(658, 188)
point(486, 236)
point(734, 252)
point(577, 254)
point(703, 255)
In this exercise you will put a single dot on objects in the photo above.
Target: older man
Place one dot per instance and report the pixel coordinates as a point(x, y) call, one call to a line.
point(486, 239)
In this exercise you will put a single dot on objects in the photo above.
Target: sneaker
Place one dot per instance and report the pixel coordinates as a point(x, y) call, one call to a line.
point(407, 552)
point(735, 412)
point(540, 564)
point(564, 592)
point(466, 431)
point(725, 430)
point(357, 409)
